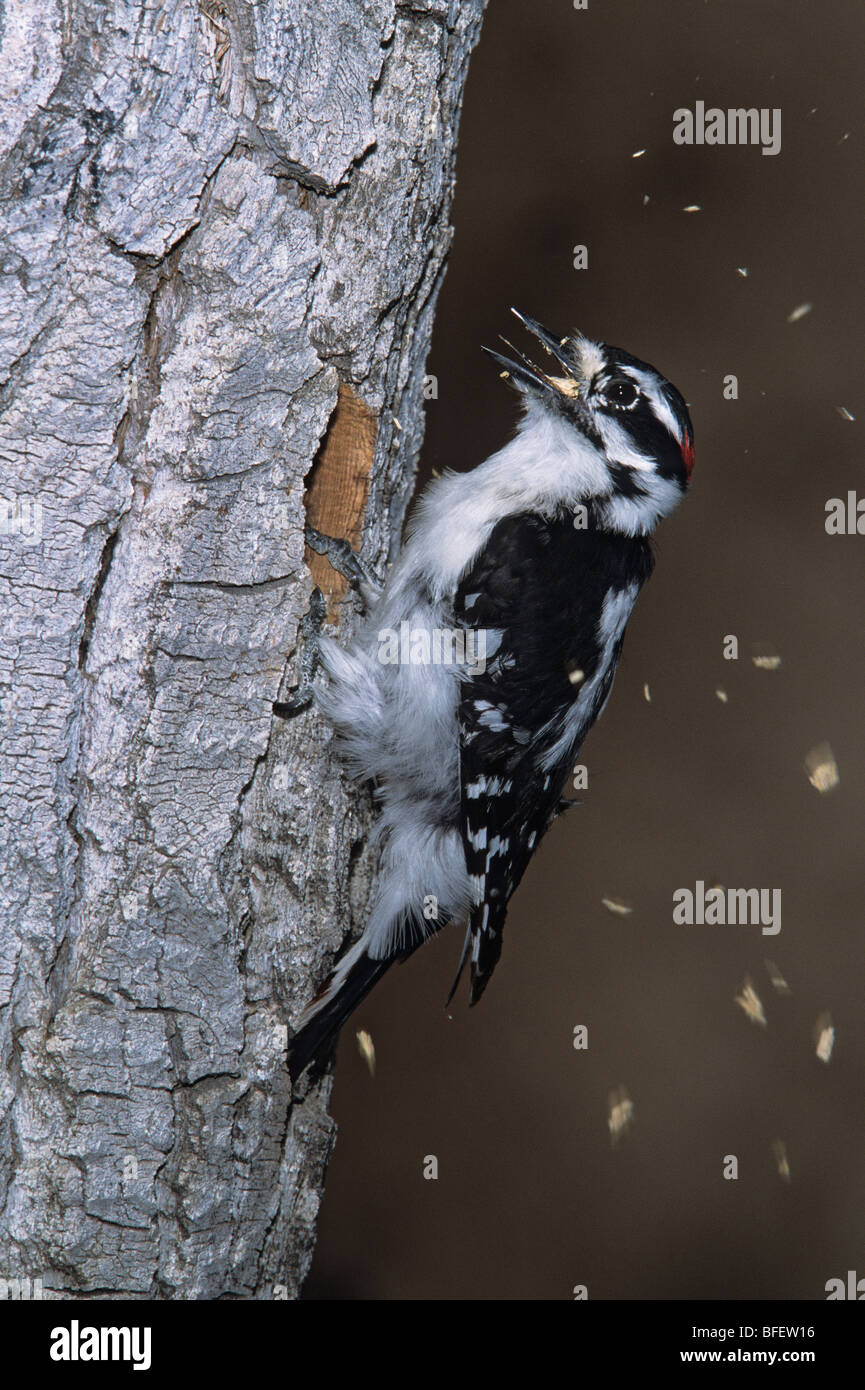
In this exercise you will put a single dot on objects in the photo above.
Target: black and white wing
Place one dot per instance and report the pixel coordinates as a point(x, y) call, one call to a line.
point(558, 599)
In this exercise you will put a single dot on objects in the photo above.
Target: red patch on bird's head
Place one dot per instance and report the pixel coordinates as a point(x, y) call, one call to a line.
point(688, 456)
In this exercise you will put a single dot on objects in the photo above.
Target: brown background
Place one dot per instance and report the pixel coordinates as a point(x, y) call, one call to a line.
point(531, 1198)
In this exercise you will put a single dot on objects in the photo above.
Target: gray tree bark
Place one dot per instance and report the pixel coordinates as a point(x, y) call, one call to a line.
point(224, 228)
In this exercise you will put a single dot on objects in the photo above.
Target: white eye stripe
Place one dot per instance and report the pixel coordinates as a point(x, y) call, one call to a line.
point(664, 414)
point(658, 402)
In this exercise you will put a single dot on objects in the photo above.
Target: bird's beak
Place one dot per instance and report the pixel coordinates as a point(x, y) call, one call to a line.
point(526, 373)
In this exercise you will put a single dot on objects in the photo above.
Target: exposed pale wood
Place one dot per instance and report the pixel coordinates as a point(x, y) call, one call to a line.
point(339, 486)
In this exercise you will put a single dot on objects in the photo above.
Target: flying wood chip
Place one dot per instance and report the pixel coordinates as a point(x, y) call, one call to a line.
point(749, 1001)
point(366, 1048)
point(618, 906)
point(822, 768)
point(778, 982)
point(765, 658)
point(620, 1113)
point(824, 1036)
point(779, 1149)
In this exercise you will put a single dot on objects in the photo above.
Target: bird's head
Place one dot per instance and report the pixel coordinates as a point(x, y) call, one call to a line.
point(634, 430)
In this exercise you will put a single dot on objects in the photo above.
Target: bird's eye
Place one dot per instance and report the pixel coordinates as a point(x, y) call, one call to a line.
point(621, 393)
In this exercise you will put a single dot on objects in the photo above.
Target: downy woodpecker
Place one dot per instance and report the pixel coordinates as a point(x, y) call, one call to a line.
point(526, 569)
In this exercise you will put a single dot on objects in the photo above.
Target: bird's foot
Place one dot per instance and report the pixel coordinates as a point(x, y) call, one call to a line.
point(346, 562)
point(310, 630)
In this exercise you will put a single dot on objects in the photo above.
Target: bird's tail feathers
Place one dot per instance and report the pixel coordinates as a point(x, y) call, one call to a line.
point(467, 944)
point(346, 986)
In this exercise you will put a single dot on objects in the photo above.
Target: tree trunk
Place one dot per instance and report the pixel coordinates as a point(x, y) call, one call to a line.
point(225, 225)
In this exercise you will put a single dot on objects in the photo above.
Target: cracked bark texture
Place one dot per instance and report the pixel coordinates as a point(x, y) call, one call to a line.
point(220, 221)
